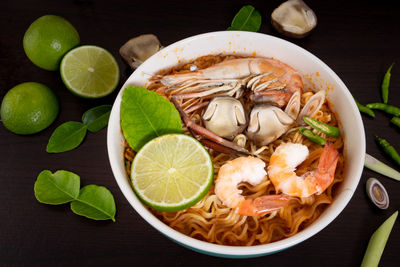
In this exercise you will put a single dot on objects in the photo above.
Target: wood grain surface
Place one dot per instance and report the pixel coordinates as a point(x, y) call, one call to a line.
point(357, 39)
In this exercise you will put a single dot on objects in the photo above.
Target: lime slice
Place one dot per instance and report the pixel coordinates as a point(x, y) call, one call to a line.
point(89, 71)
point(172, 172)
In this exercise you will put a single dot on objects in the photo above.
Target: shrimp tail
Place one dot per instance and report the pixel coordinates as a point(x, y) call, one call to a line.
point(263, 204)
point(326, 167)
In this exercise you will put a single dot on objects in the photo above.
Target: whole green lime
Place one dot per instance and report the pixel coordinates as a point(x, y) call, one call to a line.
point(48, 39)
point(29, 108)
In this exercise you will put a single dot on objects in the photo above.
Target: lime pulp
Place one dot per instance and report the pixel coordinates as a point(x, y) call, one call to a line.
point(90, 71)
point(172, 172)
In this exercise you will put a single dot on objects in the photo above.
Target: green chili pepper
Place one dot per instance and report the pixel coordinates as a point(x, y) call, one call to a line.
point(322, 127)
point(385, 107)
point(312, 136)
point(364, 109)
point(395, 121)
point(385, 85)
point(388, 149)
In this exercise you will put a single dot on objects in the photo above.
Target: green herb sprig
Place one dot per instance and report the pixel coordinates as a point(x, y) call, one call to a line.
point(91, 201)
point(247, 19)
point(70, 135)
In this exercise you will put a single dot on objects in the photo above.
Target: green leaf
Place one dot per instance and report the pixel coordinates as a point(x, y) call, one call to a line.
point(95, 202)
point(146, 115)
point(58, 188)
point(247, 19)
point(66, 137)
point(97, 118)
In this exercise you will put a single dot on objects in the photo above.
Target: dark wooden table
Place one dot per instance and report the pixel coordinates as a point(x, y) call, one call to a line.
point(357, 39)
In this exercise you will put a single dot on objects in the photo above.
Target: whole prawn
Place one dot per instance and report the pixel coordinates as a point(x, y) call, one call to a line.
point(251, 170)
point(269, 79)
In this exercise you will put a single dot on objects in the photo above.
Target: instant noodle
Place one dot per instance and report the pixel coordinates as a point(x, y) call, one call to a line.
point(210, 219)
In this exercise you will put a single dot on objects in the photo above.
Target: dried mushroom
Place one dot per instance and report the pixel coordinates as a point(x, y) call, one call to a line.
point(267, 123)
point(294, 18)
point(138, 49)
point(225, 116)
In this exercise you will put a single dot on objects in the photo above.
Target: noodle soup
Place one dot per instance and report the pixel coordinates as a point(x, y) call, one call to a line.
point(211, 219)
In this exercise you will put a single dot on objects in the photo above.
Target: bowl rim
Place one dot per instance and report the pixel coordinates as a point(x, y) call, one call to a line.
point(225, 250)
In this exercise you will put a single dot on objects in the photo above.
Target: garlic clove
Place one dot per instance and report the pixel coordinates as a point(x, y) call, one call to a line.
point(377, 193)
point(294, 18)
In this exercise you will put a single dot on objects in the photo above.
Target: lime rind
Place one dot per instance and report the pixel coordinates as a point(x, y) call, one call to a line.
point(157, 182)
point(29, 108)
point(87, 85)
point(48, 39)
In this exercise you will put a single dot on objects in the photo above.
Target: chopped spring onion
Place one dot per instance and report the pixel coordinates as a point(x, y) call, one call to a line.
point(377, 242)
point(380, 167)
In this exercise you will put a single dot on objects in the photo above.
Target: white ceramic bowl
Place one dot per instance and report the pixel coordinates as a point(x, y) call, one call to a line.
point(314, 71)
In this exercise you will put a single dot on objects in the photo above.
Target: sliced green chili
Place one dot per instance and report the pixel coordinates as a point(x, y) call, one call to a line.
point(388, 149)
point(395, 121)
point(364, 109)
point(385, 85)
point(315, 138)
point(385, 107)
point(322, 127)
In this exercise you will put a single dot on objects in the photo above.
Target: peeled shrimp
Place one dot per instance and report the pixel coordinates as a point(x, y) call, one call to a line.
point(288, 156)
point(251, 170)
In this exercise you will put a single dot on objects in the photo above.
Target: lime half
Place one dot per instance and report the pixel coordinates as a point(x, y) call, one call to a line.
point(89, 71)
point(172, 172)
